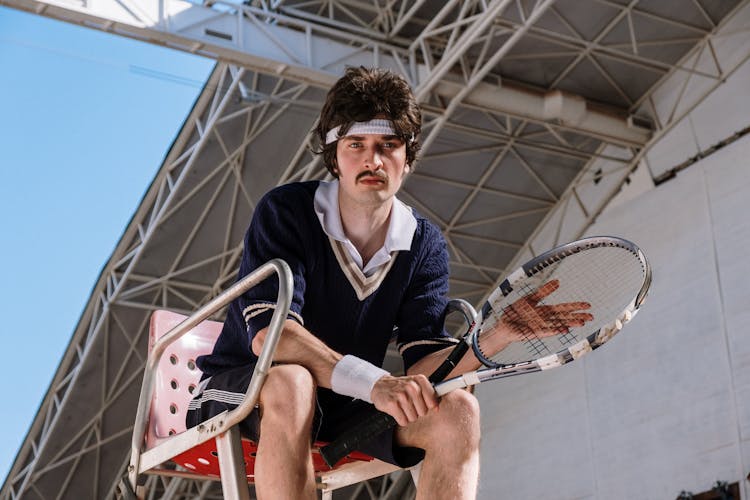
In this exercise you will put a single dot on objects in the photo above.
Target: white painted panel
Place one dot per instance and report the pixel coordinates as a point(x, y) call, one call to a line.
point(725, 111)
point(574, 220)
point(729, 191)
point(665, 399)
point(535, 440)
point(596, 187)
point(547, 237)
point(666, 404)
point(745, 485)
point(696, 88)
point(730, 43)
point(675, 147)
point(638, 183)
point(666, 97)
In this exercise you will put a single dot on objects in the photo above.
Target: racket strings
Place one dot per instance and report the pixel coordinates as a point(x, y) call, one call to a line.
point(526, 316)
point(606, 278)
point(568, 339)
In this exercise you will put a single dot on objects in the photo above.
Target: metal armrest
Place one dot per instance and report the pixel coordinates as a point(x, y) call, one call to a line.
point(462, 306)
point(283, 302)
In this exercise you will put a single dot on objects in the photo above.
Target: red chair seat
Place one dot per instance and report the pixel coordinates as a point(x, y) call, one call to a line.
point(204, 460)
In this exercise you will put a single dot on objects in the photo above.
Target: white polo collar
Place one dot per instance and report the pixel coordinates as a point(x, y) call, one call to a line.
point(401, 227)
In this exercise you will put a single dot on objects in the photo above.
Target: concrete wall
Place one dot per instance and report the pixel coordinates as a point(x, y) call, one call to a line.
point(666, 406)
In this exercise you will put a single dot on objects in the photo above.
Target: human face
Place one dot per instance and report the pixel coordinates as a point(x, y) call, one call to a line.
point(371, 167)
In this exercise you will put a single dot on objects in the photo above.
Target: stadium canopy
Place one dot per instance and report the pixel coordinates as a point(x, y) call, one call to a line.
point(537, 115)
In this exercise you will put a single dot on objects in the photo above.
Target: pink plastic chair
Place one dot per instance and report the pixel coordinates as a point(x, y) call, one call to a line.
point(174, 385)
point(213, 449)
point(177, 375)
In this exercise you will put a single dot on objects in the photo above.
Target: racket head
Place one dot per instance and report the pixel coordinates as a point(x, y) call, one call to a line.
point(609, 273)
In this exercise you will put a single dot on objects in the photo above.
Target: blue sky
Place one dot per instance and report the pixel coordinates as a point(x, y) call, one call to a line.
point(85, 121)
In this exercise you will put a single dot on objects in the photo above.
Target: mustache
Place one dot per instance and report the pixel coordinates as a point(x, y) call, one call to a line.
point(378, 174)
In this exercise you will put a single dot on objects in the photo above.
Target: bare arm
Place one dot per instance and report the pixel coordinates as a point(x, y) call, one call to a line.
point(297, 345)
point(431, 362)
point(404, 398)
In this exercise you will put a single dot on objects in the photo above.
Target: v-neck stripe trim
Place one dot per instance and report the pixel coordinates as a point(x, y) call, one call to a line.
point(363, 285)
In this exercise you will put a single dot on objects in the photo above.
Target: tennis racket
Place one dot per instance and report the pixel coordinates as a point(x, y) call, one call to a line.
point(554, 309)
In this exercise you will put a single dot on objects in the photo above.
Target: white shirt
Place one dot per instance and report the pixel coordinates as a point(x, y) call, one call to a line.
point(401, 227)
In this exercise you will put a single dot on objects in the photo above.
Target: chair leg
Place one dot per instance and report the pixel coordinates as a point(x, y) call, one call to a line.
point(232, 465)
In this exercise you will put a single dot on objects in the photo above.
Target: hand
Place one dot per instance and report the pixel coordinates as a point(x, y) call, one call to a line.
point(404, 398)
point(526, 318)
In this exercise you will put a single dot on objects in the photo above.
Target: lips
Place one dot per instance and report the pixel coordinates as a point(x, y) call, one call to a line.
point(371, 180)
point(370, 177)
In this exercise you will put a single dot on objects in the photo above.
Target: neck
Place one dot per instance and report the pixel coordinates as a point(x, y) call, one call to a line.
point(366, 226)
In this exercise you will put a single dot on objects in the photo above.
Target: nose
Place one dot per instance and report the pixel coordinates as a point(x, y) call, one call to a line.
point(374, 161)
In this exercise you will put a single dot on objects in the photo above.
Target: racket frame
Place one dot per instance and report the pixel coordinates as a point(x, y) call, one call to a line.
point(591, 342)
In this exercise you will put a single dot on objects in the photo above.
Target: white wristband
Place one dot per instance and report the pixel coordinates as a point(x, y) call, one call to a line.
point(355, 377)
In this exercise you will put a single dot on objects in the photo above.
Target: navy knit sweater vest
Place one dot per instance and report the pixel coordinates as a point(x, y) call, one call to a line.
point(409, 302)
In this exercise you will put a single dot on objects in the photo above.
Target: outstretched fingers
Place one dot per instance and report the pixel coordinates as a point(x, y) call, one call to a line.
point(566, 312)
point(543, 291)
point(569, 307)
point(559, 318)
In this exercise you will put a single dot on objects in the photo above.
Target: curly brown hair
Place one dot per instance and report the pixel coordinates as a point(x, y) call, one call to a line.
point(361, 95)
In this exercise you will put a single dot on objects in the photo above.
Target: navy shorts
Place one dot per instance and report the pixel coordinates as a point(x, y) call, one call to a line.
point(334, 413)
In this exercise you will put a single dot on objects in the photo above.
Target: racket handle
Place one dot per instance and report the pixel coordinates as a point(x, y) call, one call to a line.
point(356, 436)
point(450, 363)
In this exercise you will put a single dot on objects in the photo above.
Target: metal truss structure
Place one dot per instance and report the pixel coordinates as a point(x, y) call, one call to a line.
point(536, 114)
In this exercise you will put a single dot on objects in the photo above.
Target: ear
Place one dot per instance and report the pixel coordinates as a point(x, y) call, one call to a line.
point(407, 168)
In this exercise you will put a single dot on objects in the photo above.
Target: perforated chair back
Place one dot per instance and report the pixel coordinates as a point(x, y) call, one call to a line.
point(175, 383)
point(177, 376)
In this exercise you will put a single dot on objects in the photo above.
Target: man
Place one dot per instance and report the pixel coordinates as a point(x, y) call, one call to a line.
point(363, 263)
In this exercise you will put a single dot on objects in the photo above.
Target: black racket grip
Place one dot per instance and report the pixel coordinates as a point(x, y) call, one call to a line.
point(356, 436)
point(449, 364)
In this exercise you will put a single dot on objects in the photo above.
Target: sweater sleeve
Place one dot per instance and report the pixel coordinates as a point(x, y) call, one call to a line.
point(275, 232)
point(422, 312)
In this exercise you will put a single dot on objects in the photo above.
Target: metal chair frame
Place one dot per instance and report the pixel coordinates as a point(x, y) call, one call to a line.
point(223, 428)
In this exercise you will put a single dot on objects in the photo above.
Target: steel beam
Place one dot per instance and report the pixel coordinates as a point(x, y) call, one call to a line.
point(291, 48)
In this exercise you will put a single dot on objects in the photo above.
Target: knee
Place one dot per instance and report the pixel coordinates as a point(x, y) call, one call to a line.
point(459, 418)
point(462, 405)
point(288, 392)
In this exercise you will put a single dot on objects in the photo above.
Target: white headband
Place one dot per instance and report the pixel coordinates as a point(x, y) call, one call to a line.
point(380, 127)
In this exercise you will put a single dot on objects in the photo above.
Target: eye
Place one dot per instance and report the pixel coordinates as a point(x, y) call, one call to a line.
point(355, 145)
point(391, 145)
